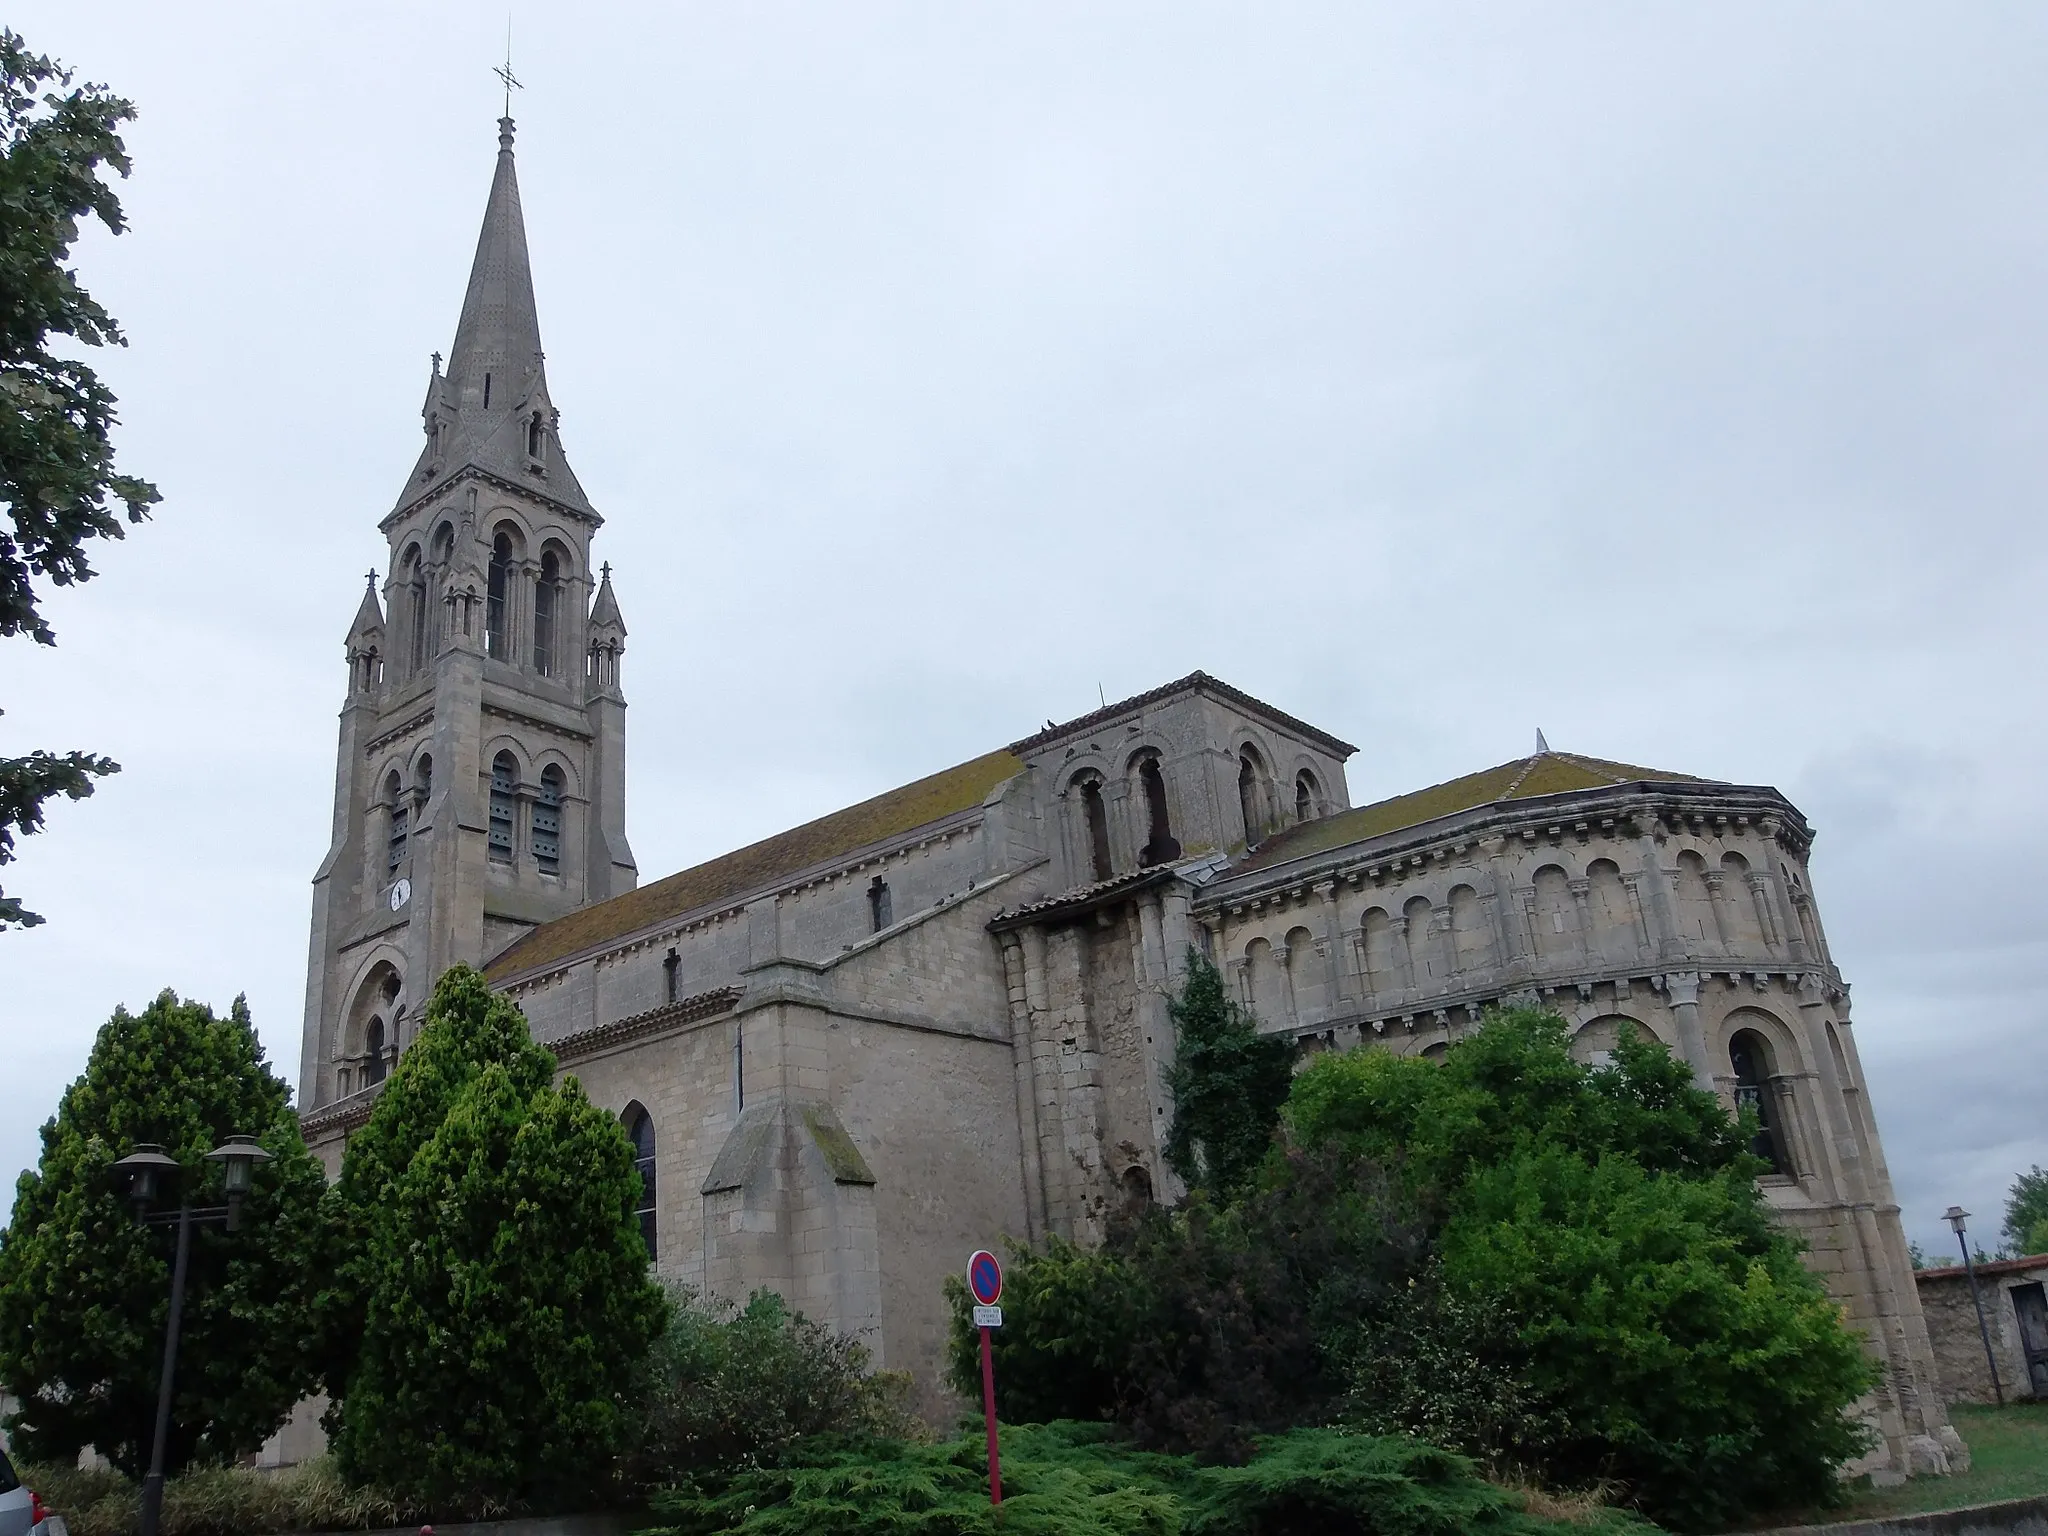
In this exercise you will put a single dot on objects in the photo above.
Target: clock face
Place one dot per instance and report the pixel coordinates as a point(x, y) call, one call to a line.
point(401, 893)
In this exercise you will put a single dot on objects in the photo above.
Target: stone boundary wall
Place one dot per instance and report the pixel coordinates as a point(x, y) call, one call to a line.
point(2016, 1517)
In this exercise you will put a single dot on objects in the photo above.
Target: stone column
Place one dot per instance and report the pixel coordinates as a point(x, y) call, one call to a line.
point(1333, 969)
point(1155, 982)
point(1683, 989)
point(1055, 1184)
point(1717, 901)
point(1663, 926)
point(1022, 1070)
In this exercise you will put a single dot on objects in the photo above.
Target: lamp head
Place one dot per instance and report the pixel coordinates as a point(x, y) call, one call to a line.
point(143, 1172)
point(1954, 1216)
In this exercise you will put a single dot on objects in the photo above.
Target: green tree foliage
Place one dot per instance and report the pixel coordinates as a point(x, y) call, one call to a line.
point(1200, 1327)
point(1077, 1479)
point(502, 1283)
point(57, 472)
point(726, 1387)
point(1613, 1213)
point(85, 1287)
point(1228, 1082)
point(2026, 1213)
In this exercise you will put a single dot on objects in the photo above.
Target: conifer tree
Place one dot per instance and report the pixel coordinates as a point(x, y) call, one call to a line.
point(85, 1287)
point(499, 1286)
point(1228, 1083)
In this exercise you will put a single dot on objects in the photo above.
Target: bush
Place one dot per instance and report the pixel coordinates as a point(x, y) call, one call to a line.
point(85, 1287)
point(1668, 1335)
point(231, 1501)
point(1070, 1479)
point(1200, 1327)
point(726, 1387)
point(503, 1284)
point(1228, 1082)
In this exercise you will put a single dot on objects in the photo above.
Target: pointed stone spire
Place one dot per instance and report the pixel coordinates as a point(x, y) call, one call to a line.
point(1542, 746)
point(370, 616)
point(604, 612)
point(490, 410)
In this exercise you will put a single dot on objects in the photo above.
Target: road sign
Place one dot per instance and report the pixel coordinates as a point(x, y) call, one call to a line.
point(985, 1281)
point(984, 1277)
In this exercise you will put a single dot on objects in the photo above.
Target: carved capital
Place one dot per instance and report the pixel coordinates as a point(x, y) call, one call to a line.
point(1683, 988)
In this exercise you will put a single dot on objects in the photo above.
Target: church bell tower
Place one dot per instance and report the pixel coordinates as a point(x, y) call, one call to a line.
point(480, 787)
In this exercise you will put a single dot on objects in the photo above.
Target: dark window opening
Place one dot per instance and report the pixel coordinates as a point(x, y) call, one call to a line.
point(423, 782)
point(640, 1131)
point(504, 791)
point(487, 391)
point(534, 436)
point(395, 806)
point(1137, 1189)
point(1160, 846)
point(1097, 815)
point(415, 588)
point(373, 1053)
point(878, 904)
point(544, 597)
point(668, 975)
point(1750, 1058)
point(495, 582)
point(547, 822)
point(1251, 795)
point(1306, 794)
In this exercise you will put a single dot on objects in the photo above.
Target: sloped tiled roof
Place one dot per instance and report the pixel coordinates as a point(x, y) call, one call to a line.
point(1546, 773)
point(760, 865)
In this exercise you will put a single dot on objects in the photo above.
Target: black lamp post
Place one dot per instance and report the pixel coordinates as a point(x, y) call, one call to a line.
point(144, 1172)
point(1955, 1216)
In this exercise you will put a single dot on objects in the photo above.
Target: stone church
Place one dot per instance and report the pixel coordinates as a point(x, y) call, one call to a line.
point(853, 1052)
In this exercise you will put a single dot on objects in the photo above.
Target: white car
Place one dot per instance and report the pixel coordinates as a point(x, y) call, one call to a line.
point(21, 1510)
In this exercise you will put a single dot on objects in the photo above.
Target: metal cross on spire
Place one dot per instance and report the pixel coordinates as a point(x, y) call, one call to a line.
point(504, 73)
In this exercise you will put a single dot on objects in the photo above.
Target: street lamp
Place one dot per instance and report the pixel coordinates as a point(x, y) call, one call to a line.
point(143, 1173)
point(1955, 1216)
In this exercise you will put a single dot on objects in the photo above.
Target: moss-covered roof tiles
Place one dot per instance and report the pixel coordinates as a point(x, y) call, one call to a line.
point(760, 865)
point(1547, 773)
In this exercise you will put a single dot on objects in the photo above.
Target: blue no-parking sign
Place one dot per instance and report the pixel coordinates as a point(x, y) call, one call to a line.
point(984, 1277)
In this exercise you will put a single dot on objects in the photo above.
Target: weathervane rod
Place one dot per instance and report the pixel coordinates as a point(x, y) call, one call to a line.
point(505, 74)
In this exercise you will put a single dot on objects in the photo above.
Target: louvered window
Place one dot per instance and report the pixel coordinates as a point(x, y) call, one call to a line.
point(547, 823)
point(394, 797)
point(504, 785)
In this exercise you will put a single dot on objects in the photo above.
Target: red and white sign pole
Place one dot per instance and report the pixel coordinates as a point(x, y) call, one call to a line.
point(985, 1284)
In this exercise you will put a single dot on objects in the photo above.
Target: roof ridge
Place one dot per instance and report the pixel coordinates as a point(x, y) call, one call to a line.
point(1528, 767)
point(1599, 765)
point(1193, 682)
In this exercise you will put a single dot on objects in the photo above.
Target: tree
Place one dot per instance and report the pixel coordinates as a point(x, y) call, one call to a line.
point(1228, 1082)
point(1613, 1213)
point(57, 471)
point(2026, 1213)
point(504, 1293)
point(85, 1287)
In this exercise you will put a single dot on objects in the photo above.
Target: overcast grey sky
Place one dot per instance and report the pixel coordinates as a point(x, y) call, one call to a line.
point(1669, 378)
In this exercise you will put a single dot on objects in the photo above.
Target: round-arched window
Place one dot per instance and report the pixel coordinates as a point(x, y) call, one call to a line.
point(1749, 1056)
point(640, 1131)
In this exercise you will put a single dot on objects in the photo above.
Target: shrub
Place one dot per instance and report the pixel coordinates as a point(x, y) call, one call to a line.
point(231, 1501)
point(85, 1287)
point(726, 1387)
point(1668, 1335)
point(1200, 1327)
point(1071, 1479)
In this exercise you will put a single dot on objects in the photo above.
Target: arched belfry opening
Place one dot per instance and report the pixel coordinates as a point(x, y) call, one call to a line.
point(1253, 794)
point(497, 587)
point(1161, 846)
point(504, 806)
point(1094, 823)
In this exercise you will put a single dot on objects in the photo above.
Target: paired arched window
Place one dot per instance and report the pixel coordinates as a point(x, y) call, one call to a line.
point(640, 1131)
point(396, 808)
point(497, 585)
point(1308, 796)
point(1750, 1057)
point(1160, 846)
point(504, 802)
point(546, 598)
point(547, 821)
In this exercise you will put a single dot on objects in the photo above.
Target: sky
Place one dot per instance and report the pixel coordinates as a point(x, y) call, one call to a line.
point(1667, 378)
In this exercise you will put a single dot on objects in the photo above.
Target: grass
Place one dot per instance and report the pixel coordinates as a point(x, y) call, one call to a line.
point(2008, 1460)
